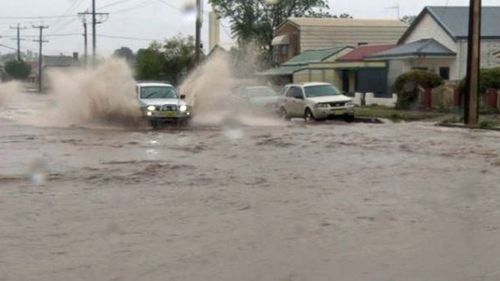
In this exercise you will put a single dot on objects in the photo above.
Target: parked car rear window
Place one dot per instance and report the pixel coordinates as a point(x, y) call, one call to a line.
point(321, 91)
point(158, 92)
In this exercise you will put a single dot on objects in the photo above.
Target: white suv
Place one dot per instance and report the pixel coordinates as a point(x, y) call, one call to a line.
point(315, 101)
point(160, 102)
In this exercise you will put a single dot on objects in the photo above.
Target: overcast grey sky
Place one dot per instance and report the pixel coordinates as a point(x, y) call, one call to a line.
point(144, 20)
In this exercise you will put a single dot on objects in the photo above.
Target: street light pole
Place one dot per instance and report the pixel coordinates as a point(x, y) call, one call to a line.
point(471, 104)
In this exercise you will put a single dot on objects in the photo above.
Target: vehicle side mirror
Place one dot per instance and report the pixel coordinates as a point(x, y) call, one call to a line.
point(183, 97)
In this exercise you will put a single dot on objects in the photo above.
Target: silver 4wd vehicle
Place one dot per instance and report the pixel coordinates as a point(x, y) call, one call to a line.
point(161, 103)
point(315, 101)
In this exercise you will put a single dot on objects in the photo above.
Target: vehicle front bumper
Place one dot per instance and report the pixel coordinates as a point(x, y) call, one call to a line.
point(330, 112)
point(167, 115)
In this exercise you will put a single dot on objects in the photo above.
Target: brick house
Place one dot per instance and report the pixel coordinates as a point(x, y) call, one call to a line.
point(297, 35)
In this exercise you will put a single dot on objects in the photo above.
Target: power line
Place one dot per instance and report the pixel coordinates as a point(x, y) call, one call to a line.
point(126, 37)
point(170, 5)
point(143, 4)
point(38, 17)
point(114, 4)
point(62, 24)
point(8, 47)
point(73, 6)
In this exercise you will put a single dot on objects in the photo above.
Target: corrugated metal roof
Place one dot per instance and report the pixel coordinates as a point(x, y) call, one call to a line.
point(301, 61)
point(310, 56)
point(360, 53)
point(455, 21)
point(346, 22)
point(282, 70)
point(424, 47)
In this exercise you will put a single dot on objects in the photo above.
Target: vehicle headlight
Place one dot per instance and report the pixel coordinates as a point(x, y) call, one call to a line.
point(151, 108)
point(183, 108)
point(349, 104)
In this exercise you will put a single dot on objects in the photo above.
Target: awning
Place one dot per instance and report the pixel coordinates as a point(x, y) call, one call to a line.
point(281, 40)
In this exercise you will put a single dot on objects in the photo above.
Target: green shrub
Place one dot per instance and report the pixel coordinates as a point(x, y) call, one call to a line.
point(488, 79)
point(18, 70)
point(488, 124)
point(407, 86)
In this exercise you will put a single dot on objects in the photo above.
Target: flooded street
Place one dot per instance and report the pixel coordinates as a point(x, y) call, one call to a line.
point(325, 201)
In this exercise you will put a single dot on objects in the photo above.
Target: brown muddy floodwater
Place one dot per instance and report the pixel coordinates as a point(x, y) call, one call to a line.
point(330, 201)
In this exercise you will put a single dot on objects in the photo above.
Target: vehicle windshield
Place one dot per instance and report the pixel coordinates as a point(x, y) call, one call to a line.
point(321, 91)
point(158, 92)
point(259, 92)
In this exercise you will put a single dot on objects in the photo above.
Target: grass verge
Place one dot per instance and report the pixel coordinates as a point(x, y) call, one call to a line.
point(395, 114)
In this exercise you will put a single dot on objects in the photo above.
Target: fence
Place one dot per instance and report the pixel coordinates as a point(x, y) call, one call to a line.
point(449, 97)
point(362, 99)
point(439, 98)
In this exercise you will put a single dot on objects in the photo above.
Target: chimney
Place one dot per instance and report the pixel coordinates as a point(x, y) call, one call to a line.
point(214, 30)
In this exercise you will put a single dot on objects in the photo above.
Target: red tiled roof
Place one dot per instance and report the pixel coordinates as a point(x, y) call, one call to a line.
point(360, 53)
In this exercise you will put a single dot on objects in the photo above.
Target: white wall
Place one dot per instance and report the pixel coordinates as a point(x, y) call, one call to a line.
point(370, 99)
point(488, 47)
point(396, 68)
point(429, 28)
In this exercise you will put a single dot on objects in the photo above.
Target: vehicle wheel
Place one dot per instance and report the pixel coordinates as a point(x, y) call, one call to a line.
point(284, 114)
point(349, 118)
point(155, 124)
point(308, 115)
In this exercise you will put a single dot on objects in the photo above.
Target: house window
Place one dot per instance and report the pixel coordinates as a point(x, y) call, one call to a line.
point(284, 49)
point(444, 72)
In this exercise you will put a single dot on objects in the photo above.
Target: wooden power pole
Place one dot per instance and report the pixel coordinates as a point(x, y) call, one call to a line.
point(199, 17)
point(40, 54)
point(94, 35)
point(85, 44)
point(471, 104)
point(96, 18)
point(83, 17)
point(18, 39)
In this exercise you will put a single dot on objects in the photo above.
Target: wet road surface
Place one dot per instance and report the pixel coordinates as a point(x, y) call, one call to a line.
point(331, 201)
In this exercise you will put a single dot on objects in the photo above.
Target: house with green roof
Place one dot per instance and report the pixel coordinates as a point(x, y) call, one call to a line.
point(344, 67)
point(304, 67)
point(437, 42)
